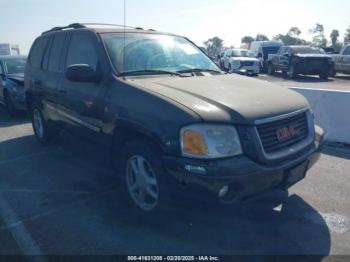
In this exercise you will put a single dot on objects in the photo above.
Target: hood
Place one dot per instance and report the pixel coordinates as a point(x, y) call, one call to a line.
point(245, 59)
point(17, 78)
point(313, 55)
point(226, 98)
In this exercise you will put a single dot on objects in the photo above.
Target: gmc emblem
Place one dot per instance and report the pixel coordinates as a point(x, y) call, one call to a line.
point(286, 133)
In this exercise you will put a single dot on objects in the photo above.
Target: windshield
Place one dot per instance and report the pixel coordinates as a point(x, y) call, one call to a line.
point(15, 66)
point(147, 52)
point(306, 50)
point(241, 53)
point(270, 50)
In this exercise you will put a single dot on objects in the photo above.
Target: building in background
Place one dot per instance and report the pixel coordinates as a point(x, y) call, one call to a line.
point(9, 49)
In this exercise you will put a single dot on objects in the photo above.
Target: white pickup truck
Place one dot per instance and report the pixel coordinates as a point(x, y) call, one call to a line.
point(342, 61)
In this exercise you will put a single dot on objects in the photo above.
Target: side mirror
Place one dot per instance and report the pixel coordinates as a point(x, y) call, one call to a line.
point(286, 54)
point(259, 55)
point(2, 76)
point(82, 73)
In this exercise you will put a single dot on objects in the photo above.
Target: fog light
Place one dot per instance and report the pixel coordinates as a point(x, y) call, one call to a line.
point(196, 169)
point(223, 191)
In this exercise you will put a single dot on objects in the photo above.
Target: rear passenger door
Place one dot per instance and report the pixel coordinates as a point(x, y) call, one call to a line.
point(52, 67)
point(84, 101)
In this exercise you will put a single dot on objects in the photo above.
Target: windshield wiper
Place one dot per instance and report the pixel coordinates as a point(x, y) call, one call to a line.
point(193, 70)
point(149, 72)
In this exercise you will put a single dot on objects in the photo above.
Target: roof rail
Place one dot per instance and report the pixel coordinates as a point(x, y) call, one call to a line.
point(71, 26)
point(103, 24)
point(87, 25)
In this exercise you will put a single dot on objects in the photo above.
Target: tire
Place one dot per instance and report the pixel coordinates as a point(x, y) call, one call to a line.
point(229, 68)
point(10, 108)
point(270, 69)
point(44, 133)
point(144, 180)
point(291, 72)
point(323, 76)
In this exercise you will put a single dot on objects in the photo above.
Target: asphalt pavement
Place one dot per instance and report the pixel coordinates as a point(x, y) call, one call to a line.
point(63, 199)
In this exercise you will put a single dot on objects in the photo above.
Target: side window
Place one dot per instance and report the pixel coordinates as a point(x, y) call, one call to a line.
point(347, 51)
point(56, 53)
point(82, 51)
point(36, 55)
point(1, 71)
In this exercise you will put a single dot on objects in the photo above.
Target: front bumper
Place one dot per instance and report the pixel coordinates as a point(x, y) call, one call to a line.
point(252, 70)
point(243, 176)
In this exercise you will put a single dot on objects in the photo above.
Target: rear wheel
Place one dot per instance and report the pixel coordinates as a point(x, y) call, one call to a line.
point(145, 189)
point(43, 132)
point(270, 69)
point(324, 76)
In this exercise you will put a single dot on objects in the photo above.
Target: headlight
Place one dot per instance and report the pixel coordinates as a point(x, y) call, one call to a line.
point(210, 141)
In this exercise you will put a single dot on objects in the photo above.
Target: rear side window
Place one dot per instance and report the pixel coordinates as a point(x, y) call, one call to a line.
point(82, 51)
point(56, 53)
point(36, 55)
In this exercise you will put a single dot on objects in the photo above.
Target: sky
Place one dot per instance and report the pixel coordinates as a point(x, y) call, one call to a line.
point(21, 21)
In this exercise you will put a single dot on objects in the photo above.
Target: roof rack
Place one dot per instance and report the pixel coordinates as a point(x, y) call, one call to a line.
point(87, 25)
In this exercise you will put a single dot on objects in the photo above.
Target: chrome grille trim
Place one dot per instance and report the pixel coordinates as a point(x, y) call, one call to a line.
point(299, 145)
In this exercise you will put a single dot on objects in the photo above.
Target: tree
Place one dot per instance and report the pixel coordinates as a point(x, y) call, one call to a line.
point(247, 39)
point(347, 36)
point(294, 31)
point(319, 38)
point(334, 37)
point(213, 46)
point(291, 38)
point(261, 37)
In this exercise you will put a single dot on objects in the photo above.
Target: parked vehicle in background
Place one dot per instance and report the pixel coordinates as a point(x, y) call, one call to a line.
point(221, 59)
point(262, 49)
point(12, 92)
point(169, 114)
point(9, 49)
point(342, 61)
point(306, 60)
point(241, 61)
point(329, 50)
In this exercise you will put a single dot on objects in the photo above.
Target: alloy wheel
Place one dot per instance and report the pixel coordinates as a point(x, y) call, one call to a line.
point(142, 183)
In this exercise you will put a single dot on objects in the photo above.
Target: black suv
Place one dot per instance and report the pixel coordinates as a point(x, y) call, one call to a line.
point(168, 113)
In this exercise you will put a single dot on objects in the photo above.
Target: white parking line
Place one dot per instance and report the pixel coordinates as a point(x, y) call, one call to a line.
point(26, 243)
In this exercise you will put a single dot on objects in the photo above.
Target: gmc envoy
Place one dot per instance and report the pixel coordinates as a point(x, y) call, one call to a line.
point(169, 114)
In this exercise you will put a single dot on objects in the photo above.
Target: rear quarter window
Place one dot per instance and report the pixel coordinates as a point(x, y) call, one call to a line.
point(37, 52)
point(56, 53)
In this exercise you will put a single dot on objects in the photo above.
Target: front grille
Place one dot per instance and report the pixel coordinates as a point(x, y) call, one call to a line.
point(247, 63)
point(316, 63)
point(281, 134)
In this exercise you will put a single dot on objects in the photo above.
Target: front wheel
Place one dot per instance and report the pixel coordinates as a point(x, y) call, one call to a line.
point(270, 69)
point(43, 132)
point(291, 72)
point(145, 187)
point(323, 76)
